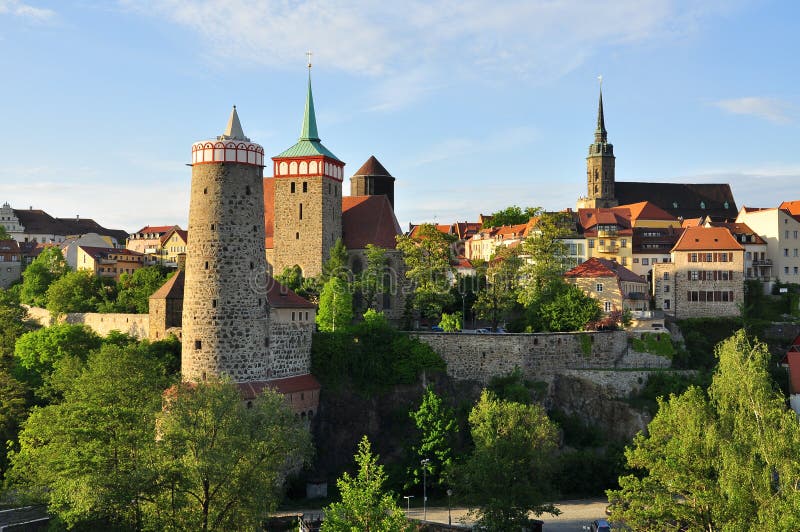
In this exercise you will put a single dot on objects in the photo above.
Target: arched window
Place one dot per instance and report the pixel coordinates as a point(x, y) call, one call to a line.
point(293, 168)
point(312, 167)
point(283, 169)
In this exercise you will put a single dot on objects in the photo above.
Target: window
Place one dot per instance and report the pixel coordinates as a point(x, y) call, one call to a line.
point(607, 306)
point(297, 236)
point(624, 261)
point(666, 288)
point(292, 187)
point(795, 235)
point(795, 252)
point(666, 304)
point(292, 316)
point(213, 303)
point(305, 186)
point(635, 260)
point(666, 276)
point(786, 270)
point(785, 252)
point(645, 262)
point(599, 287)
point(692, 257)
point(795, 270)
point(786, 234)
point(694, 275)
point(198, 344)
point(591, 243)
point(623, 242)
point(747, 255)
point(247, 190)
point(654, 260)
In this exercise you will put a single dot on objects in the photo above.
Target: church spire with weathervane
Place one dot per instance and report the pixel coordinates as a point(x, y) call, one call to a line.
point(600, 163)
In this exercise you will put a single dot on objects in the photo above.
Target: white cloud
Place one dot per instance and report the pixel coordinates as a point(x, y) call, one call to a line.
point(416, 46)
point(498, 142)
point(19, 9)
point(771, 109)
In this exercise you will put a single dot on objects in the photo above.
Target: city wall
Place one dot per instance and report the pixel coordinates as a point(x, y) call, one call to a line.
point(482, 356)
point(136, 325)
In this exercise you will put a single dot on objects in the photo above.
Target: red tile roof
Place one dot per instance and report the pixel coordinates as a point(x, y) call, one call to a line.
point(596, 267)
point(280, 296)
point(372, 167)
point(792, 206)
point(299, 383)
point(150, 229)
point(166, 236)
point(691, 222)
point(737, 229)
point(707, 238)
point(646, 210)
point(369, 220)
point(9, 246)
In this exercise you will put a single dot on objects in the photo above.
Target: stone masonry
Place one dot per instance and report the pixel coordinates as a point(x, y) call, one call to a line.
point(225, 309)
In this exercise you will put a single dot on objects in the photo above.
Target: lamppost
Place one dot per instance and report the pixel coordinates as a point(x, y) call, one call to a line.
point(449, 493)
point(424, 463)
point(408, 503)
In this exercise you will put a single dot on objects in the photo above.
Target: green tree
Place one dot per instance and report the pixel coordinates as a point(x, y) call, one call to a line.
point(507, 475)
point(4, 235)
point(365, 506)
point(88, 456)
point(512, 215)
point(436, 426)
point(37, 277)
point(563, 307)
point(546, 254)
point(335, 306)
point(222, 462)
point(13, 409)
point(450, 322)
point(725, 461)
point(13, 324)
point(337, 264)
point(78, 291)
point(134, 289)
point(373, 280)
point(38, 351)
point(427, 259)
point(291, 277)
point(498, 297)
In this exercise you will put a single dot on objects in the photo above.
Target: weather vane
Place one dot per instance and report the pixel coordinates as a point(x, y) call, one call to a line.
point(308, 55)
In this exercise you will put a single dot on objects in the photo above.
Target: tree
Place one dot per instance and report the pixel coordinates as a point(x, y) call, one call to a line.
point(507, 475)
point(498, 297)
point(38, 351)
point(222, 462)
point(89, 455)
point(546, 255)
point(450, 322)
point(337, 264)
point(292, 278)
point(13, 409)
point(427, 259)
point(563, 307)
point(721, 461)
point(77, 291)
point(37, 277)
point(4, 235)
point(135, 289)
point(512, 215)
point(436, 426)
point(364, 506)
point(335, 306)
point(13, 324)
point(373, 280)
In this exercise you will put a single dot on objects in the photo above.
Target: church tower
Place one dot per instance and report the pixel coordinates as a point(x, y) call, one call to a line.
point(372, 179)
point(225, 310)
point(308, 199)
point(600, 167)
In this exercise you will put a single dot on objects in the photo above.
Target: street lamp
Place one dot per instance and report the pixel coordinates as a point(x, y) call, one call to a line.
point(408, 503)
point(449, 493)
point(424, 463)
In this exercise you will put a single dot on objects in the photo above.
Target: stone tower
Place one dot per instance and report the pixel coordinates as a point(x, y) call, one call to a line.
point(600, 167)
point(225, 308)
point(372, 179)
point(308, 199)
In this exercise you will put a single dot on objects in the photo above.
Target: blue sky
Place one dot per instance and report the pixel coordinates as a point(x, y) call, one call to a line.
point(472, 105)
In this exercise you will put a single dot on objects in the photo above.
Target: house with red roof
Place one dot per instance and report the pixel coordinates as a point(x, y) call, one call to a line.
point(780, 229)
point(108, 262)
point(147, 240)
point(615, 287)
point(705, 277)
point(10, 262)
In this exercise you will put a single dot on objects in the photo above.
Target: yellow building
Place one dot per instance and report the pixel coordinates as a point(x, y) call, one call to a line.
point(615, 287)
point(108, 262)
point(172, 244)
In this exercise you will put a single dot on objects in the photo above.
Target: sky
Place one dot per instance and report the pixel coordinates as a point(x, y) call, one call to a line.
point(473, 105)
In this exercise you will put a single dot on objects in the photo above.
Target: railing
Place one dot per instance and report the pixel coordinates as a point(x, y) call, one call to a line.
point(607, 249)
point(763, 262)
point(605, 233)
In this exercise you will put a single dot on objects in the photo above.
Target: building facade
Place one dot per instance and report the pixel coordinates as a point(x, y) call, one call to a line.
point(780, 229)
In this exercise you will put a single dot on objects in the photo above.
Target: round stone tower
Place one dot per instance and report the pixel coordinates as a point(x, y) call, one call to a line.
point(225, 308)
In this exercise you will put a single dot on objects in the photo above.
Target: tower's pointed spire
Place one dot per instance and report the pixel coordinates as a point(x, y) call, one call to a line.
point(234, 127)
point(309, 130)
point(600, 134)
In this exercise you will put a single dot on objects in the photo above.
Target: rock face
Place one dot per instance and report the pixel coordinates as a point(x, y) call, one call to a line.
point(596, 405)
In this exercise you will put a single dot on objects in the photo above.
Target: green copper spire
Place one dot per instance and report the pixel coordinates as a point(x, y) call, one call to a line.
point(309, 131)
point(600, 134)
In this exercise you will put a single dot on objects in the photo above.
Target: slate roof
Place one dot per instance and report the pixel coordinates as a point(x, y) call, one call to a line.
point(664, 240)
point(36, 221)
point(369, 220)
point(597, 267)
point(681, 199)
point(707, 239)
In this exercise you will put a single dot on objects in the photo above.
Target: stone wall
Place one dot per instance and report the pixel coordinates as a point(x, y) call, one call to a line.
point(136, 325)
point(290, 348)
point(480, 357)
point(10, 272)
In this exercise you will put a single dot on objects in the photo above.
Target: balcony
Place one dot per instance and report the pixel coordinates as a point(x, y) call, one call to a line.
point(762, 262)
point(607, 249)
point(606, 233)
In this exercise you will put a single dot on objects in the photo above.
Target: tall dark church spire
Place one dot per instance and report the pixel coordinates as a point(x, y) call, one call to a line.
point(600, 134)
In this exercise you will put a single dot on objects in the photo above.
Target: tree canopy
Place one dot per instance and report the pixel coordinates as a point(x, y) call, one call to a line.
point(335, 306)
point(427, 259)
point(134, 289)
point(508, 474)
point(364, 505)
point(562, 307)
point(547, 255)
point(40, 274)
point(725, 460)
point(436, 427)
point(77, 291)
point(38, 351)
point(512, 215)
point(497, 298)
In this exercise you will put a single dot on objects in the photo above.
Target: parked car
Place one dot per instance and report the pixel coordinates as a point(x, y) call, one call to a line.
point(483, 331)
point(436, 328)
point(600, 525)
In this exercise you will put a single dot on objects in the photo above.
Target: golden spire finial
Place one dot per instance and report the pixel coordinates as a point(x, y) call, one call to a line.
point(308, 55)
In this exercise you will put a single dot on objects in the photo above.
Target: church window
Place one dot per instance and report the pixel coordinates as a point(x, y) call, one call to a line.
point(726, 205)
point(305, 186)
point(292, 187)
